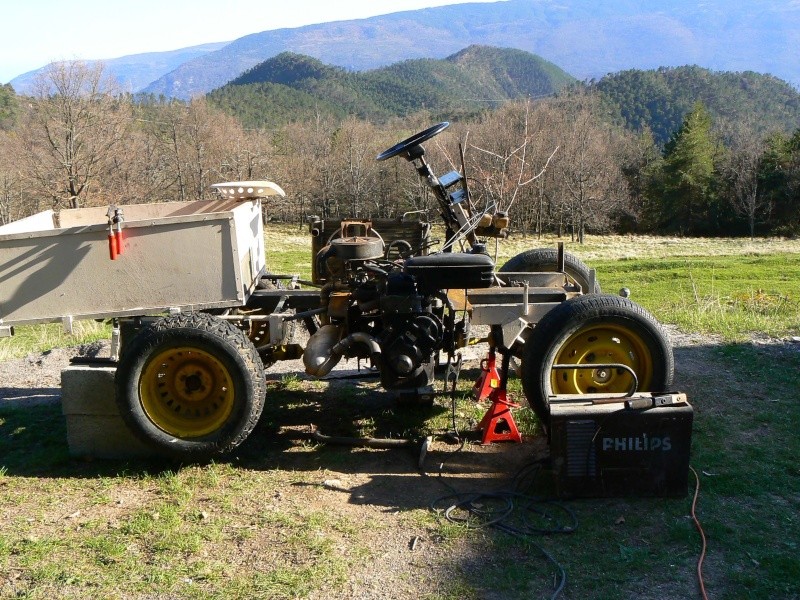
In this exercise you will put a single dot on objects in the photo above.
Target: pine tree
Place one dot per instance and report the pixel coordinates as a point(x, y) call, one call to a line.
point(8, 106)
point(688, 175)
point(780, 181)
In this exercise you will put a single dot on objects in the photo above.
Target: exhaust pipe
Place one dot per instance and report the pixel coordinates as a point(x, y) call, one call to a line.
point(324, 350)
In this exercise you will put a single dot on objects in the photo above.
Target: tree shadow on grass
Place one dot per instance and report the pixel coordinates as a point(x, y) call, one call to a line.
point(33, 437)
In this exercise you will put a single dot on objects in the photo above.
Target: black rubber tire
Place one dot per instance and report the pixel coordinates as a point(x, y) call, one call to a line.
point(223, 348)
point(546, 260)
point(561, 328)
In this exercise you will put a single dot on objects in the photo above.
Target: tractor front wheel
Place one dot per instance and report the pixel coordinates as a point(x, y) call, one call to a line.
point(539, 260)
point(597, 329)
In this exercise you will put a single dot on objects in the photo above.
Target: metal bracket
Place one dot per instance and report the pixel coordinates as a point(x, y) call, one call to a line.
point(277, 327)
point(453, 370)
point(115, 342)
point(67, 323)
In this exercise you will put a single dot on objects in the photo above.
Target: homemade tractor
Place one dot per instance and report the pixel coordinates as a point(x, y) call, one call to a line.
point(196, 317)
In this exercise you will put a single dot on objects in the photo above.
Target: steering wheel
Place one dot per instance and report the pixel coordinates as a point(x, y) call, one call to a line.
point(414, 140)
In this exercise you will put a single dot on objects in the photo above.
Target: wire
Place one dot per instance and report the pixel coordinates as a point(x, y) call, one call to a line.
point(702, 535)
point(468, 226)
point(511, 511)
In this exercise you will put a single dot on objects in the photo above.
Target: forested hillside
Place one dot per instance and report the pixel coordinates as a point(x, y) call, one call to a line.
point(295, 87)
point(659, 99)
point(8, 106)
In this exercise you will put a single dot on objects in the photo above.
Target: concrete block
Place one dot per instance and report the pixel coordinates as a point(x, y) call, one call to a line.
point(94, 426)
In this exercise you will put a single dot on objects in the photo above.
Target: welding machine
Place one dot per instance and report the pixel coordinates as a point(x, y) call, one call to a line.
point(632, 446)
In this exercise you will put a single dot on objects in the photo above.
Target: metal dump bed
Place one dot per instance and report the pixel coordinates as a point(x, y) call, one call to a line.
point(178, 255)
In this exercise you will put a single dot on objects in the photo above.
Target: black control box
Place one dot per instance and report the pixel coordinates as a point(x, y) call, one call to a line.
point(611, 447)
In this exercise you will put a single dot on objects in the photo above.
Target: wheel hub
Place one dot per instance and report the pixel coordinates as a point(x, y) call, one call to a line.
point(187, 392)
point(602, 344)
point(602, 375)
point(196, 382)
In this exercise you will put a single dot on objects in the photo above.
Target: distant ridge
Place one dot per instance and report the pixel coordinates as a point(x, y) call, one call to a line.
point(586, 38)
point(294, 87)
point(136, 71)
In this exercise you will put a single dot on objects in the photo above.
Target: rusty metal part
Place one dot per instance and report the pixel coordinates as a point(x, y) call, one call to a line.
point(358, 248)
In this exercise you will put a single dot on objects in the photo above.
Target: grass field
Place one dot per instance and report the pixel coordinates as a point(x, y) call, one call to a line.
point(269, 524)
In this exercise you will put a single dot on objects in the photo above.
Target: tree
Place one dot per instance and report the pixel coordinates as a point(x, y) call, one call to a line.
point(640, 160)
point(780, 181)
point(309, 173)
point(509, 152)
point(8, 106)
point(742, 169)
point(589, 182)
point(356, 155)
point(688, 175)
point(74, 127)
point(10, 185)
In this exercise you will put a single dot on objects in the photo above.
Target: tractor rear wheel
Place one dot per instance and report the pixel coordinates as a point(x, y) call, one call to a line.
point(598, 329)
point(191, 386)
point(546, 260)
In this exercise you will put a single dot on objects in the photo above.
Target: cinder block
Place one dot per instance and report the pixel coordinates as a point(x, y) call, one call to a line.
point(94, 427)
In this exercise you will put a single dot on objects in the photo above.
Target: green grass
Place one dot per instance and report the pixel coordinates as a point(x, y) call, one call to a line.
point(256, 526)
point(40, 338)
point(732, 296)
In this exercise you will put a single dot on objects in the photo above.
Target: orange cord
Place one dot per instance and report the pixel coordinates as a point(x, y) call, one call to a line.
point(702, 535)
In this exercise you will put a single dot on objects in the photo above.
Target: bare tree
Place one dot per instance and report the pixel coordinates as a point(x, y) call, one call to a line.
point(74, 126)
point(305, 153)
point(741, 167)
point(248, 155)
point(10, 185)
point(588, 172)
point(509, 153)
point(355, 154)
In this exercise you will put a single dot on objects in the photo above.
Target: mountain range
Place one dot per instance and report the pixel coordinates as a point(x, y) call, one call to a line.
point(586, 38)
point(292, 87)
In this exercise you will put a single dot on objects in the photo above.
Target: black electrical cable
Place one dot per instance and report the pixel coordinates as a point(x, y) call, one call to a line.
point(504, 504)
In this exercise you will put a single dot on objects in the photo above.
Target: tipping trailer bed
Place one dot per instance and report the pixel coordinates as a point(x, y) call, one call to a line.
point(174, 256)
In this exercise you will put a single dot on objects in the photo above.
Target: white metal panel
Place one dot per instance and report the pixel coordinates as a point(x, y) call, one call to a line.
point(249, 242)
point(42, 221)
point(178, 255)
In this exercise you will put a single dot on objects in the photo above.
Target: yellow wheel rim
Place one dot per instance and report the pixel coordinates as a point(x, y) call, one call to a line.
point(602, 344)
point(187, 392)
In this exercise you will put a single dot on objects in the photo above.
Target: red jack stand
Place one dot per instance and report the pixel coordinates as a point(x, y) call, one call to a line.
point(497, 415)
point(489, 380)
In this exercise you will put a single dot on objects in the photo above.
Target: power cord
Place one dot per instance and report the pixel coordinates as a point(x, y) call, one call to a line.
point(702, 535)
point(496, 509)
point(513, 512)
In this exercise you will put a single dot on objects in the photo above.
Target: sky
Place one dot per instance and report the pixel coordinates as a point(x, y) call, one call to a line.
point(34, 33)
